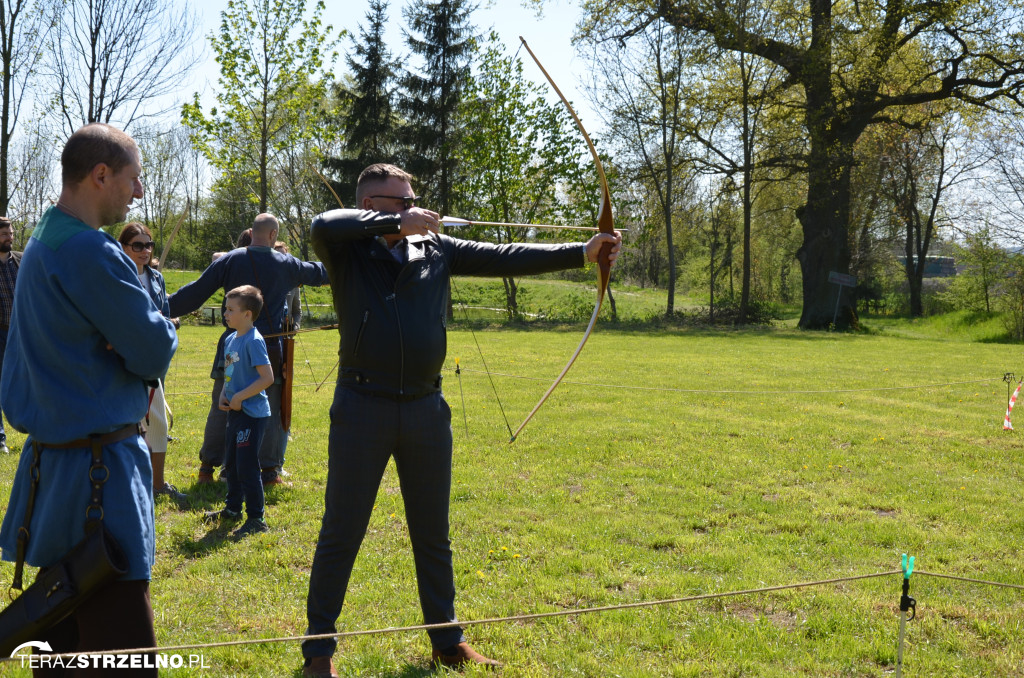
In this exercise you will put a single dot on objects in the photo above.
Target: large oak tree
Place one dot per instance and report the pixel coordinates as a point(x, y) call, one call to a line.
point(851, 65)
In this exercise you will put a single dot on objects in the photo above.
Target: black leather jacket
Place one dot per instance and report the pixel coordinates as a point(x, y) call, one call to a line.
point(393, 316)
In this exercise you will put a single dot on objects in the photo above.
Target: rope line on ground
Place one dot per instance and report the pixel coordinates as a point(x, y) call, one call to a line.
point(524, 617)
point(968, 579)
point(733, 392)
point(687, 390)
point(477, 622)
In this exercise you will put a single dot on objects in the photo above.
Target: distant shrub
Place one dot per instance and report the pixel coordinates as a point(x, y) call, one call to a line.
point(1011, 298)
point(727, 313)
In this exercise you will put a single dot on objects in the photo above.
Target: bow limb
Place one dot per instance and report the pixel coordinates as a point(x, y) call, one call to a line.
point(174, 232)
point(341, 205)
point(605, 224)
point(287, 381)
point(330, 188)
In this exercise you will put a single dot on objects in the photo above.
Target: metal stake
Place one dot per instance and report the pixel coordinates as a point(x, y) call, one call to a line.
point(906, 604)
point(458, 373)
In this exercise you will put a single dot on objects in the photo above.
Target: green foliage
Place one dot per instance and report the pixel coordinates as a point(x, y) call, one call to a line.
point(643, 86)
point(847, 66)
point(519, 153)
point(980, 263)
point(976, 326)
point(1011, 297)
point(372, 127)
point(232, 207)
point(271, 89)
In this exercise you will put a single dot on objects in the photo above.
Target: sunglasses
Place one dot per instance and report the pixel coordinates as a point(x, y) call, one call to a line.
point(141, 246)
point(406, 200)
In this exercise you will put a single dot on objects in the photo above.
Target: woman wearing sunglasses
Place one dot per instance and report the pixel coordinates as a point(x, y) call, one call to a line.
point(137, 242)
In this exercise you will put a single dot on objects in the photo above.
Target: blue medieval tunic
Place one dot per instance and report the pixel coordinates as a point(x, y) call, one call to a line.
point(77, 293)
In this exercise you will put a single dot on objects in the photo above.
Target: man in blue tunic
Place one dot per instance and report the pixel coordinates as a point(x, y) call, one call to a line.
point(275, 275)
point(84, 341)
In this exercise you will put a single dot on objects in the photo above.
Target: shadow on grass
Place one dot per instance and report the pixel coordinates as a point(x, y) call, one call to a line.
point(210, 497)
point(405, 671)
point(215, 539)
point(959, 326)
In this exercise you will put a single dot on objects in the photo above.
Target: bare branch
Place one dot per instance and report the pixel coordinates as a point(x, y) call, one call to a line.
point(114, 59)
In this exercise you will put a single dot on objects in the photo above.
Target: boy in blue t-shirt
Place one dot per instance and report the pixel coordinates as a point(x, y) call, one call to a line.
point(247, 373)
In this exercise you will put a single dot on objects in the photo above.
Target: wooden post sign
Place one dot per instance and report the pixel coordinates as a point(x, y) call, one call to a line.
point(841, 280)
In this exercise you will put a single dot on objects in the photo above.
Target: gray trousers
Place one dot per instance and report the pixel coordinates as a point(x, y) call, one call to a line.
point(366, 431)
point(275, 439)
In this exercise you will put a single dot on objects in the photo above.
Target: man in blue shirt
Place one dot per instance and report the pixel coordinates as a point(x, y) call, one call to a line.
point(85, 339)
point(275, 275)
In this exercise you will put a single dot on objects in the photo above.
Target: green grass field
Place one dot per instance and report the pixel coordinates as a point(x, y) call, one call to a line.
point(669, 464)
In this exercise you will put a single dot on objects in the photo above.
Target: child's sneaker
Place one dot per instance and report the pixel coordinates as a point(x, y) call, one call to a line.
point(251, 526)
point(171, 491)
point(223, 514)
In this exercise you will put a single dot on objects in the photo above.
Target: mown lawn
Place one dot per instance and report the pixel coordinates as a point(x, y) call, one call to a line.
point(670, 463)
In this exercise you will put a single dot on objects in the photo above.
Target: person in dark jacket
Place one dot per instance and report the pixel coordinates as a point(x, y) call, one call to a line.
point(389, 270)
point(137, 242)
point(9, 263)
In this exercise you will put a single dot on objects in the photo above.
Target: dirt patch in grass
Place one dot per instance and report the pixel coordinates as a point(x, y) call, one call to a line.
point(787, 621)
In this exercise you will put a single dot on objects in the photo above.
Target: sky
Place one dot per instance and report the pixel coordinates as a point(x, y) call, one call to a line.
point(549, 36)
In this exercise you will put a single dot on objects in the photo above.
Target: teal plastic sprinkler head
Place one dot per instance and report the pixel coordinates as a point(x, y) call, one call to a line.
point(908, 569)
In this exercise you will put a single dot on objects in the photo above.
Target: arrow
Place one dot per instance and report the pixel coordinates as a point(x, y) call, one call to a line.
point(458, 222)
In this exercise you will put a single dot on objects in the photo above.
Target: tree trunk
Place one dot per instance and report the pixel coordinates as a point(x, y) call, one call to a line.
point(825, 217)
point(915, 280)
point(711, 303)
point(747, 206)
point(511, 300)
point(5, 134)
point(670, 307)
point(915, 260)
point(826, 248)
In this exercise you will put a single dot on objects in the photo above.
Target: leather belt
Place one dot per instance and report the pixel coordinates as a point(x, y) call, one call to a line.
point(104, 439)
point(362, 384)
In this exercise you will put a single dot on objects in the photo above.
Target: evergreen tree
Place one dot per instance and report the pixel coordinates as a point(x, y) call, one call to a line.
point(443, 38)
point(371, 127)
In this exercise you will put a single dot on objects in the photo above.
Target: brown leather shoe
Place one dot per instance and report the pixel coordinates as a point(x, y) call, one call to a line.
point(320, 667)
point(205, 476)
point(464, 654)
point(276, 481)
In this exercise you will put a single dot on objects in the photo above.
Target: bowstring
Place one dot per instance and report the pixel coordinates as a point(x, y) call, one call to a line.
point(469, 324)
point(305, 356)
